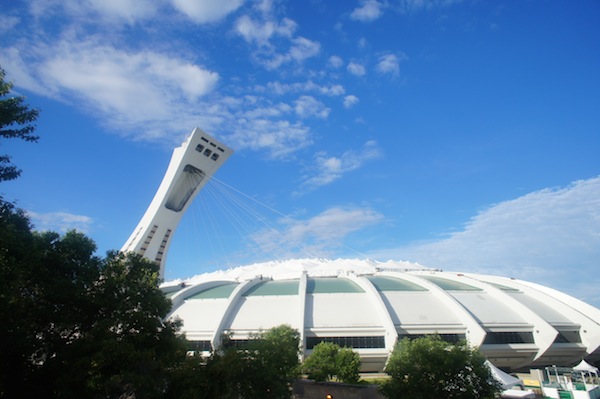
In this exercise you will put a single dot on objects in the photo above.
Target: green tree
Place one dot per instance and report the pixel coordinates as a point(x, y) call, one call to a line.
point(273, 362)
point(348, 366)
point(130, 347)
point(264, 367)
point(329, 362)
point(430, 368)
point(76, 325)
point(16, 121)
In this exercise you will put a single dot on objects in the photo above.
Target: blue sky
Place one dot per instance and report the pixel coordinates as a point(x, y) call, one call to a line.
point(462, 135)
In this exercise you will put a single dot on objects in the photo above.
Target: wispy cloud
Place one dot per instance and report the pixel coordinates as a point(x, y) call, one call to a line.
point(96, 11)
point(147, 95)
point(418, 5)
point(138, 86)
point(113, 78)
point(369, 11)
point(60, 221)
point(281, 88)
point(335, 61)
point(260, 32)
point(8, 22)
point(205, 11)
point(80, 53)
point(350, 101)
point(550, 236)
point(389, 64)
point(277, 137)
point(331, 168)
point(307, 106)
point(275, 40)
point(356, 69)
point(321, 235)
point(301, 48)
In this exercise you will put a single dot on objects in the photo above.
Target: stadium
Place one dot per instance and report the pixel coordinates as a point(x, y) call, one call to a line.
point(363, 304)
point(369, 305)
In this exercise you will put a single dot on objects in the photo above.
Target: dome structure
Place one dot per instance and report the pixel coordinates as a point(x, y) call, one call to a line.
point(366, 305)
point(369, 305)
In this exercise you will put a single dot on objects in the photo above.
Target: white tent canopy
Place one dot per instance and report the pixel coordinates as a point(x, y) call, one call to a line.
point(585, 366)
point(506, 380)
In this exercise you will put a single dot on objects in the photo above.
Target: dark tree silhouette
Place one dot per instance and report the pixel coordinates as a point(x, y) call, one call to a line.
point(16, 121)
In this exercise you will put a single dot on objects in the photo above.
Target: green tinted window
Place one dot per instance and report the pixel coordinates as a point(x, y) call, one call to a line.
point(331, 285)
point(283, 287)
point(393, 284)
point(450, 285)
point(221, 291)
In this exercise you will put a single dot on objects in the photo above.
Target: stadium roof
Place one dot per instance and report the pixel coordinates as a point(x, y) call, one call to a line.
point(369, 305)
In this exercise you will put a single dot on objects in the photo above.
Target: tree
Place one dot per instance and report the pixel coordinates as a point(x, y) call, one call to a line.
point(129, 347)
point(348, 366)
point(429, 367)
point(76, 325)
point(263, 367)
point(274, 362)
point(16, 121)
point(329, 362)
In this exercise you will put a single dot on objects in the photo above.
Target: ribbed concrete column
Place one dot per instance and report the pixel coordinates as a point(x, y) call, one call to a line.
point(587, 316)
point(543, 333)
point(391, 335)
point(475, 333)
point(234, 298)
point(301, 310)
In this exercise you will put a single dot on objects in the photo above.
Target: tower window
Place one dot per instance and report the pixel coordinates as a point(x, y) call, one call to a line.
point(187, 183)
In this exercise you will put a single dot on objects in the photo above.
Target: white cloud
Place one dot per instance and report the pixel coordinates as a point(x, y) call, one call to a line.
point(308, 106)
point(369, 11)
point(125, 83)
point(350, 101)
point(96, 10)
point(389, 64)
point(264, 6)
point(550, 236)
point(264, 33)
point(303, 48)
point(132, 88)
point(127, 9)
point(280, 88)
point(154, 94)
point(271, 111)
point(60, 221)
point(300, 50)
point(261, 32)
point(277, 137)
point(356, 69)
point(148, 96)
point(333, 90)
point(7, 23)
point(317, 236)
point(206, 11)
point(331, 168)
point(418, 5)
point(335, 61)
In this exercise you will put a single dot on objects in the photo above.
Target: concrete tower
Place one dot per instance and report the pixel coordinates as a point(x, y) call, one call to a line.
point(192, 165)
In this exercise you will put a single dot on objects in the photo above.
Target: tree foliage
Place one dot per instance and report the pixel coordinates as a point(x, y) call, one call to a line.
point(16, 121)
point(329, 362)
point(430, 368)
point(264, 367)
point(76, 325)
